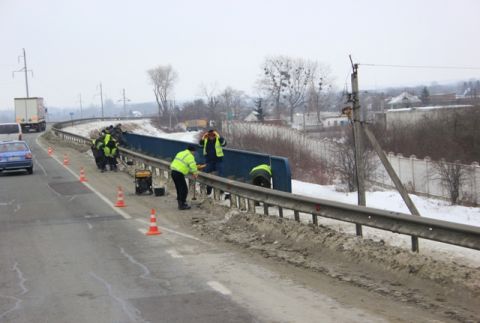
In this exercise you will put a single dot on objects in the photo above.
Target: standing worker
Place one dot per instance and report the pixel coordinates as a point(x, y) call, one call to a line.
point(110, 149)
point(261, 175)
point(183, 164)
point(212, 145)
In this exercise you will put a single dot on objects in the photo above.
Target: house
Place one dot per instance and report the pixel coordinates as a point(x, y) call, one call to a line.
point(404, 100)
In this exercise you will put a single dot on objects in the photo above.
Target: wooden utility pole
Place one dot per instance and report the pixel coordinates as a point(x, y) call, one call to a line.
point(393, 176)
point(358, 142)
point(359, 128)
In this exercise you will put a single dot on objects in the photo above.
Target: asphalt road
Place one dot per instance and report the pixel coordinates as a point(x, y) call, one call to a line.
point(67, 255)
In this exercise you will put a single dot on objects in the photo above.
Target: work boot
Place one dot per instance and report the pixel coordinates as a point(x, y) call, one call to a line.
point(184, 206)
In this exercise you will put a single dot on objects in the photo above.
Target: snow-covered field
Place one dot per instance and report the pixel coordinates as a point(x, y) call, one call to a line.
point(386, 200)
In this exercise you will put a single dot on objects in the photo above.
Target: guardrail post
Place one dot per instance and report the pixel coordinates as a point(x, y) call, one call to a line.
point(265, 208)
point(251, 206)
point(314, 219)
point(241, 203)
point(280, 212)
point(297, 215)
point(216, 193)
point(233, 201)
point(415, 245)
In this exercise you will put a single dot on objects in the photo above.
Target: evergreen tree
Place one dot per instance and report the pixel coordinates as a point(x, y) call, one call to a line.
point(425, 96)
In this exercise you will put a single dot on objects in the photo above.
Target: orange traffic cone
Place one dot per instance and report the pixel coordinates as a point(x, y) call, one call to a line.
point(120, 201)
point(82, 175)
point(66, 161)
point(50, 151)
point(153, 230)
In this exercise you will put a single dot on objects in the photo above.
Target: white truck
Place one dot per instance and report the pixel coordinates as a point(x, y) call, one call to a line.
point(30, 114)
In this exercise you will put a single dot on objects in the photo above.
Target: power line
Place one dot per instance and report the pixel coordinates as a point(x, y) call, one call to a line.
point(423, 66)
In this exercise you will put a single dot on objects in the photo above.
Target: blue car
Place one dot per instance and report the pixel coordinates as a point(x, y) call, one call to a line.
point(15, 155)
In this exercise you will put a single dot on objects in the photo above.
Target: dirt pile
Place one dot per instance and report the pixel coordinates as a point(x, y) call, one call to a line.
point(404, 275)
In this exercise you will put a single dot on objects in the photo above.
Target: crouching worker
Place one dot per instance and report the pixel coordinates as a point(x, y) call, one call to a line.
point(183, 164)
point(261, 175)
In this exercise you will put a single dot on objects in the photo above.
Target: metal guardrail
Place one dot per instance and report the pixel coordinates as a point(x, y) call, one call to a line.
point(245, 195)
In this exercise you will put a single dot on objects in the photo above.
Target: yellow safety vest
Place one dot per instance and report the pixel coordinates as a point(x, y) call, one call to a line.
point(218, 147)
point(184, 163)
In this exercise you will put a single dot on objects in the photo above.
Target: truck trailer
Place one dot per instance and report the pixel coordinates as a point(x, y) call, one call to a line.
point(30, 114)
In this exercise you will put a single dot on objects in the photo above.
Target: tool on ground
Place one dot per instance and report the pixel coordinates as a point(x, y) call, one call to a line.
point(82, 175)
point(143, 181)
point(120, 200)
point(66, 161)
point(153, 229)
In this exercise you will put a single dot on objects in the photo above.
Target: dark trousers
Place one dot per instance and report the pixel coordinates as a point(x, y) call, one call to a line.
point(180, 186)
point(214, 166)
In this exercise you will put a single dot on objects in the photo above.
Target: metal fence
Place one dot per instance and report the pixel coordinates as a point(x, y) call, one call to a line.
point(420, 176)
point(245, 196)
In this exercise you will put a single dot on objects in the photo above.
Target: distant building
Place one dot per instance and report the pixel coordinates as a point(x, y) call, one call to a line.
point(408, 116)
point(404, 100)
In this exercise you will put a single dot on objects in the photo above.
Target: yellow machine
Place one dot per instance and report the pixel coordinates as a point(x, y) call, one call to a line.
point(143, 181)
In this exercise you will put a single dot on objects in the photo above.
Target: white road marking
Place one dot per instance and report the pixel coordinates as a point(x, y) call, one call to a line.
point(174, 253)
point(41, 166)
point(6, 203)
point(90, 226)
point(142, 231)
point(72, 198)
point(17, 208)
point(91, 216)
point(219, 288)
point(175, 232)
point(100, 195)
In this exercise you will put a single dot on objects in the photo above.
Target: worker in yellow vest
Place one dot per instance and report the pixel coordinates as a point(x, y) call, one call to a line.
point(212, 144)
point(182, 165)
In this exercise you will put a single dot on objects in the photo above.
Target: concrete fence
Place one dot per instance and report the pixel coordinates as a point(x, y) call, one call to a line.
point(420, 176)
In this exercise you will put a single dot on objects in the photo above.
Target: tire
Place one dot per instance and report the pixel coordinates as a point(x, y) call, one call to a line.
point(30, 170)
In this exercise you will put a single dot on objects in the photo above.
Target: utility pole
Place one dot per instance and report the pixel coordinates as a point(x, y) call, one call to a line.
point(101, 98)
point(358, 142)
point(125, 100)
point(359, 129)
point(81, 107)
point(25, 70)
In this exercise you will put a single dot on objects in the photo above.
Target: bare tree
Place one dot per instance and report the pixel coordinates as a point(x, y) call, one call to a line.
point(344, 162)
point(231, 102)
point(285, 81)
point(297, 80)
point(452, 175)
point(163, 78)
point(212, 100)
point(320, 91)
point(274, 79)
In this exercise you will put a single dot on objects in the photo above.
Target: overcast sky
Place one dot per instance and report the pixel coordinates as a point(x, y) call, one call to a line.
point(73, 45)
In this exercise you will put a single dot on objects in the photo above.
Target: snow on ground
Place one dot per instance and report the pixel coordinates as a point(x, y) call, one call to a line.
point(142, 127)
point(392, 201)
point(386, 200)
